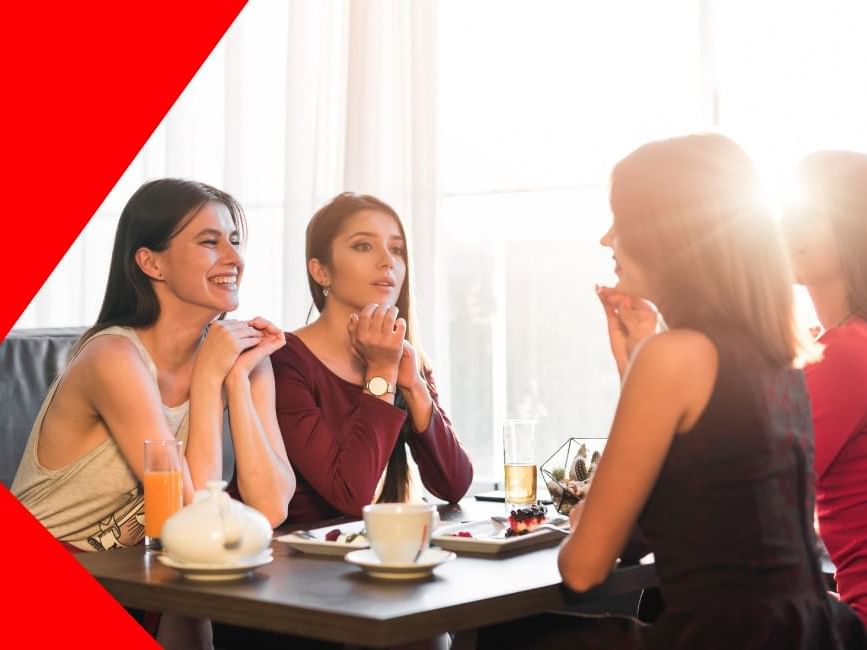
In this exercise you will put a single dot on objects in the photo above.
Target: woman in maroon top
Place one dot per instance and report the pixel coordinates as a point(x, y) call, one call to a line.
point(352, 387)
point(827, 233)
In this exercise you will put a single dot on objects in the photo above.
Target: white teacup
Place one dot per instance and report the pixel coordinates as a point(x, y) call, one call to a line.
point(399, 532)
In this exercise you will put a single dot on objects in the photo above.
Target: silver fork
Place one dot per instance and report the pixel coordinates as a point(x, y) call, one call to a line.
point(559, 529)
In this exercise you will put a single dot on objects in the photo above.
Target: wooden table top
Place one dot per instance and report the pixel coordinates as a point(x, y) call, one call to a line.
point(327, 598)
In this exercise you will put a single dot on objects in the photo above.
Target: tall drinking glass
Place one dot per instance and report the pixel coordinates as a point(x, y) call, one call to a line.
point(519, 461)
point(163, 486)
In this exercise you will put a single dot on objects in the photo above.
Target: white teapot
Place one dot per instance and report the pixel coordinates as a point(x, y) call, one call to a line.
point(215, 529)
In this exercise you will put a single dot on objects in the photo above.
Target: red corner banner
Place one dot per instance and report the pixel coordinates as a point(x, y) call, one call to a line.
point(84, 86)
point(51, 600)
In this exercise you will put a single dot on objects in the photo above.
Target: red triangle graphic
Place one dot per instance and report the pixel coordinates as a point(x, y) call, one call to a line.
point(51, 600)
point(84, 86)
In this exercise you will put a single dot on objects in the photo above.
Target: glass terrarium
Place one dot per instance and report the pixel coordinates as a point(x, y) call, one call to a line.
point(569, 471)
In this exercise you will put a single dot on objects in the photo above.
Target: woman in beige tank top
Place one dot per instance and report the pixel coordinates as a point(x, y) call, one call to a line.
point(158, 364)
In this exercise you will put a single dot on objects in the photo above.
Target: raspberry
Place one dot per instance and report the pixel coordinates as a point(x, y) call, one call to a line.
point(332, 535)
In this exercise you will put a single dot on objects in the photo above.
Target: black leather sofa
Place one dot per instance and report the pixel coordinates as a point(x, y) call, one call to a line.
point(30, 359)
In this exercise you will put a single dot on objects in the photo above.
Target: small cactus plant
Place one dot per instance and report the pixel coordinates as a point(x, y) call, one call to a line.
point(581, 473)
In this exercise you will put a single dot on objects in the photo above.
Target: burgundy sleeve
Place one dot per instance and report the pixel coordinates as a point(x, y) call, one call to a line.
point(443, 463)
point(344, 470)
point(838, 395)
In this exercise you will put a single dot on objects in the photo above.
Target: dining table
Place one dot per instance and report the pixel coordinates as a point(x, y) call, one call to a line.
point(329, 599)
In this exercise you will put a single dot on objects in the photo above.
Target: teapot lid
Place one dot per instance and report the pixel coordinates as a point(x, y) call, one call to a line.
point(213, 490)
point(215, 487)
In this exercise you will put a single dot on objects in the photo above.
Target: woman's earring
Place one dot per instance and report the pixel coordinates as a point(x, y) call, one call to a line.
point(326, 291)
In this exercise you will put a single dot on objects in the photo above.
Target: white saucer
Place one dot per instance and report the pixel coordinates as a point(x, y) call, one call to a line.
point(374, 567)
point(213, 572)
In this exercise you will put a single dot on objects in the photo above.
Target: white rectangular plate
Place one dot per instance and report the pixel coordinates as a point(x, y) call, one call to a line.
point(488, 539)
point(320, 546)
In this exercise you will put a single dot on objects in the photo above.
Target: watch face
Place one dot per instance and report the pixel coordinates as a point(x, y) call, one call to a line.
point(377, 386)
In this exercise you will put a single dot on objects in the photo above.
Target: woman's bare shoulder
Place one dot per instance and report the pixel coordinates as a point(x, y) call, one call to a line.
point(680, 367)
point(680, 350)
point(109, 357)
point(108, 346)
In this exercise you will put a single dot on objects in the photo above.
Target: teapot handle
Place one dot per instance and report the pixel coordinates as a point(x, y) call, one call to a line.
point(232, 531)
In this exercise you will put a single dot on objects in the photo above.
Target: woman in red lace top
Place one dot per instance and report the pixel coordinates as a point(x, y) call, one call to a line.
point(827, 234)
point(353, 391)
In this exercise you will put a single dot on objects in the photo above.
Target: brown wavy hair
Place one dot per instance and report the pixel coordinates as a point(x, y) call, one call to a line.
point(321, 233)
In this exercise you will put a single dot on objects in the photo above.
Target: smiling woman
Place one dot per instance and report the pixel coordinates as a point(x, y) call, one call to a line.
point(203, 267)
point(155, 366)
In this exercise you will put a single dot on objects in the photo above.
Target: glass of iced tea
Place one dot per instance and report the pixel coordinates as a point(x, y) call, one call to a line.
point(519, 461)
point(163, 487)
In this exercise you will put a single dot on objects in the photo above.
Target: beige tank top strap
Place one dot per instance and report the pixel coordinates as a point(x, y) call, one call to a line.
point(130, 333)
point(115, 330)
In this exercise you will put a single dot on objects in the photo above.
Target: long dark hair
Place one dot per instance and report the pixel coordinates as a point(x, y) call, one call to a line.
point(321, 232)
point(154, 214)
point(835, 183)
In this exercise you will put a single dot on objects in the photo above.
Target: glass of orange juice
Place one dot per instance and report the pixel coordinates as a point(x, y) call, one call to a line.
point(163, 487)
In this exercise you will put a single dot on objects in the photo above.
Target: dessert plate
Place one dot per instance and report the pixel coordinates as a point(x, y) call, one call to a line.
point(214, 572)
point(313, 541)
point(375, 568)
point(489, 538)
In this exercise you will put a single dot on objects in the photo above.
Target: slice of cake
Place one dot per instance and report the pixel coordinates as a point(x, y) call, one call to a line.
point(524, 520)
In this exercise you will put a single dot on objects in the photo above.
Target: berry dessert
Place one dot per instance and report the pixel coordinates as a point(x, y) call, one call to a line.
point(524, 520)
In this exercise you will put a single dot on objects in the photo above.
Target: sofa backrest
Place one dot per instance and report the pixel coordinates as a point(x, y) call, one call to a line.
point(29, 362)
point(30, 359)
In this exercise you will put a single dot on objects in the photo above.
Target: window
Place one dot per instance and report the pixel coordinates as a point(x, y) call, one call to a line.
point(536, 104)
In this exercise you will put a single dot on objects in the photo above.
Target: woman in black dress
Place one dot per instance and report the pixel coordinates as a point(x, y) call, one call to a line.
point(710, 448)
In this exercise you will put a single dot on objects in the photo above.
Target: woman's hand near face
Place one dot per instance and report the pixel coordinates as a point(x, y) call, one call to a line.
point(271, 339)
point(408, 375)
point(223, 344)
point(377, 335)
point(630, 321)
point(414, 388)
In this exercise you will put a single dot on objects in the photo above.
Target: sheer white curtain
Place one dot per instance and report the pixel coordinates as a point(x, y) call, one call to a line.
point(300, 100)
point(522, 108)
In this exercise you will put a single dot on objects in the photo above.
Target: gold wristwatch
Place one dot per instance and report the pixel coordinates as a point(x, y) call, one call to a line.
point(379, 386)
